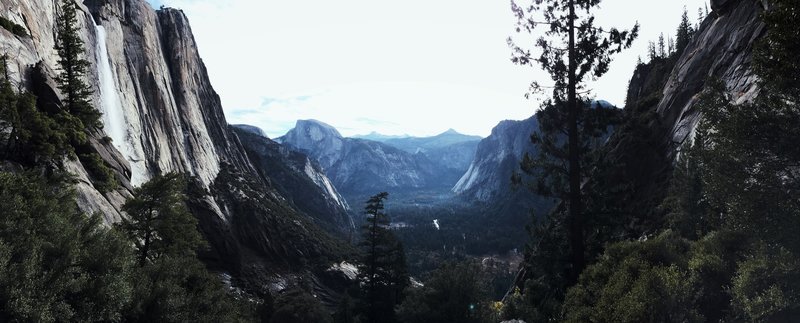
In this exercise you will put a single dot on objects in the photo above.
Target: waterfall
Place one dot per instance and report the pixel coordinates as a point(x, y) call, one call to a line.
point(114, 122)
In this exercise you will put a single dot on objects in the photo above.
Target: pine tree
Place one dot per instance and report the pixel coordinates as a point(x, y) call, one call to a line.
point(572, 50)
point(57, 264)
point(751, 175)
point(734, 196)
point(181, 289)
point(688, 211)
point(8, 111)
point(383, 272)
point(27, 135)
point(776, 55)
point(651, 51)
point(684, 34)
point(670, 46)
point(662, 52)
point(172, 285)
point(456, 292)
point(159, 223)
point(70, 48)
point(754, 144)
point(700, 17)
point(79, 117)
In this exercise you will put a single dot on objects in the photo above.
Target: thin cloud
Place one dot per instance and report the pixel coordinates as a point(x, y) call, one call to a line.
point(419, 66)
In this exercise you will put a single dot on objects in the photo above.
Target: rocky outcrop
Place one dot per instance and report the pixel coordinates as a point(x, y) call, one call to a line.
point(661, 114)
point(250, 129)
point(496, 159)
point(173, 115)
point(299, 179)
point(662, 111)
point(456, 157)
point(323, 141)
point(171, 120)
point(721, 48)
point(499, 155)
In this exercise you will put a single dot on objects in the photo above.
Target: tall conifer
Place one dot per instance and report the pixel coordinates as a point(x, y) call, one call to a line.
point(71, 51)
point(685, 32)
point(383, 273)
point(573, 50)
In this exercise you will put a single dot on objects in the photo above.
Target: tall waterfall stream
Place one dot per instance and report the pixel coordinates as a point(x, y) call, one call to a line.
point(114, 120)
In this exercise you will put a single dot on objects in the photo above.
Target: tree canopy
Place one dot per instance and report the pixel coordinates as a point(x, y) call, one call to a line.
point(572, 50)
point(71, 79)
point(383, 271)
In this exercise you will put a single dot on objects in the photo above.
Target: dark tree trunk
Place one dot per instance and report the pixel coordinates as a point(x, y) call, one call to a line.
point(575, 203)
point(373, 259)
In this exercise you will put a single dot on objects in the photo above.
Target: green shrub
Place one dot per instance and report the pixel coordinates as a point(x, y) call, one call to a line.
point(29, 136)
point(13, 27)
point(56, 263)
point(456, 292)
point(180, 289)
point(766, 284)
point(101, 175)
point(637, 281)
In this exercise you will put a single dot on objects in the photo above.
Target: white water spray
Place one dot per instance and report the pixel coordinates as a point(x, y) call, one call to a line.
point(114, 121)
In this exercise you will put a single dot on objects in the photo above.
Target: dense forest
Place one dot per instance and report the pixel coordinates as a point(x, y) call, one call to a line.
point(718, 245)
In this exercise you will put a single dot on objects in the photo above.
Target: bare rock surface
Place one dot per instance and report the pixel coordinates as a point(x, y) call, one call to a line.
point(171, 120)
point(721, 49)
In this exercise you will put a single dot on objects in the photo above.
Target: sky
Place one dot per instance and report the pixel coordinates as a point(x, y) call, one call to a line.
point(416, 67)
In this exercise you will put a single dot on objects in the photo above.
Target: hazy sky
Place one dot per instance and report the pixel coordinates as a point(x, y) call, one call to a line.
point(413, 67)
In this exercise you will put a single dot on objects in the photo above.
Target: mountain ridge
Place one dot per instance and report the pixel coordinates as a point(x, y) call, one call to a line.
point(359, 167)
point(299, 179)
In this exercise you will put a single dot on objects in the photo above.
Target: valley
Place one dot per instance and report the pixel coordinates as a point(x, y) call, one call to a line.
point(427, 180)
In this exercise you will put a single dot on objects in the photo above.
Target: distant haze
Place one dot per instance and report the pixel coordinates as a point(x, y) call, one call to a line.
point(414, 67)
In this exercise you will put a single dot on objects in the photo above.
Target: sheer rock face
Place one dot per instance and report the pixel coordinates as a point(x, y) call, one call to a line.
point(721, 49)
point(324, 142)
point(719, 4)
point(299, 179)
point(175, 118)
point(497, 158)
point(173, 121)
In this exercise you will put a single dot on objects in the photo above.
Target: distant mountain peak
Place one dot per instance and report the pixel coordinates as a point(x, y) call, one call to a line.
point(602, 104)
point(451, 131)
point(312, 122)
point(316, 129)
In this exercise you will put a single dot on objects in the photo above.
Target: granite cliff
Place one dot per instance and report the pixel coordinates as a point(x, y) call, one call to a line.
point(300, 180)
point(163, 115)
